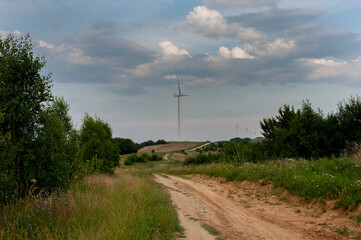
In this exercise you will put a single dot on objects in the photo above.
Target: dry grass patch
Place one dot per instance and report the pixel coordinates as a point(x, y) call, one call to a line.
point(128, 205)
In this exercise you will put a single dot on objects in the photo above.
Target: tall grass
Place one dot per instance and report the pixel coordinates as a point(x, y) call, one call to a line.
point(129, 205)
point(334, 178)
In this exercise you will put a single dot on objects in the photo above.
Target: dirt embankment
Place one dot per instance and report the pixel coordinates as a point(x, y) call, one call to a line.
point(249, 211)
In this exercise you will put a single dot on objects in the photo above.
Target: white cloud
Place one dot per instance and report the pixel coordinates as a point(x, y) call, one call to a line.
point(68, 53)
point(236, 52)
point(239, 3)
point(169, 48)
point(46, 45)
point(201, 81)
point(172, 76)
point(278, 48)
point(325, 69)
point(207, 21)
point(212, 24)
point(324, 62)
point(3, 33)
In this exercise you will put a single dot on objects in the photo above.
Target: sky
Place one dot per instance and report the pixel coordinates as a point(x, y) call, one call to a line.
point(238, 60)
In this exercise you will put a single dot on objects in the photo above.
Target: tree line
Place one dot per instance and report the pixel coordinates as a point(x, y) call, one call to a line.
point(39, 147)
point(308, 133)
point(304, 133)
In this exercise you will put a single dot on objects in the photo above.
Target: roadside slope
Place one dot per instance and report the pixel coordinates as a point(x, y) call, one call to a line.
point(207, 203)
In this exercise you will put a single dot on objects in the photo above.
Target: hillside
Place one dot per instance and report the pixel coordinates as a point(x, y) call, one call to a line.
point(170, 147)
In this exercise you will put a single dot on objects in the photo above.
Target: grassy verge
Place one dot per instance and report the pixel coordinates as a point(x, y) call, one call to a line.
point(334, 178)
point(129, 205)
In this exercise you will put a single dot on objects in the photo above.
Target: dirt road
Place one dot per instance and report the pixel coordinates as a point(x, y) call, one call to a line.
point(234, 215)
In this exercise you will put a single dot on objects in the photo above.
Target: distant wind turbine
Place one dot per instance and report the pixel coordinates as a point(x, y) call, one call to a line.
point(179, 95)
point(237, 127)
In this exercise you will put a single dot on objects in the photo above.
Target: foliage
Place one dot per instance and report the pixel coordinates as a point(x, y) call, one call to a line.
point(349, 118)
point(23, 94)
point(124, 146)
point(96, 143)
point(202, 159)
point(309, 134)
point(238, 140)
point(134, 158)
point(56, 154)
point(151, 143)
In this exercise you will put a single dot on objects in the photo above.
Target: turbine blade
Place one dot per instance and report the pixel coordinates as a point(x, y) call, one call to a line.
point(176, 73)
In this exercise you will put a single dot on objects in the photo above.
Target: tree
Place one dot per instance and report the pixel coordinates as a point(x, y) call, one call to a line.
point(57, 148)
point(349, 117)
point(124, 146)
point(23, 94)
point(96, 142)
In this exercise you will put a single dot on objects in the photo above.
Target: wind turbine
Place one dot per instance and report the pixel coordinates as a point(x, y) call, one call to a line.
point(179, 95)
point(237, 127)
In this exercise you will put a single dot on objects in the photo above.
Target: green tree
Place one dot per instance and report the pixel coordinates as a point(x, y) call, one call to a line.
point(349, 117)
point(56, 154)
point(96, 142)
point(124, 146)
point(23, 93)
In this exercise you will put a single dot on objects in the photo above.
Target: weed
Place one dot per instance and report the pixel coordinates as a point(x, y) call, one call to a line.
point(210, 229)
point(96, 207)
point(343, 231)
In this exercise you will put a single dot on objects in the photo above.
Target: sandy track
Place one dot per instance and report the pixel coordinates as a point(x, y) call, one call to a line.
point(199, 202)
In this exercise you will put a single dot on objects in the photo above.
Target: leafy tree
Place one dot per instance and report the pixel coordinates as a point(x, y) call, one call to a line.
point(161, 141)
point(54, 165)
point(349, 117)
point(96, 142)
point(124, 146)
point(23, 93)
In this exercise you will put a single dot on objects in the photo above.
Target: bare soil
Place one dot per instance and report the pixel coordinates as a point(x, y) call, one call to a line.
point(252, 211)
point(170, 147)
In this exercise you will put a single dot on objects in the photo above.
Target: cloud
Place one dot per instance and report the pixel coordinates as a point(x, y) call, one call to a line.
point(276, 20)
point(105, 27)
point(68, 53)
point(236, 52)
point(239, 3)
point(212, 24)
point(3, 33)
point(331, 70)
point(277, 48)
point(169, 48)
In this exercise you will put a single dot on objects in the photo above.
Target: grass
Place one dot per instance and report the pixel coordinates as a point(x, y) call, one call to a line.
point(210, 229)
point(335, 178)
point(129, 205)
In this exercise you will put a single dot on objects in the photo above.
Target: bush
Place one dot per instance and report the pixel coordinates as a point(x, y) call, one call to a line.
point(134, 158)
point(203, 159)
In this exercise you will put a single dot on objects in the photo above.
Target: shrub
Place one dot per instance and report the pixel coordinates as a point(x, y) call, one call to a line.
point(134, 158)
point(202, 159)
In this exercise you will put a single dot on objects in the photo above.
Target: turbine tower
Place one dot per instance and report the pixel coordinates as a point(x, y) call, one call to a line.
point(179, 95)
point(237, 127)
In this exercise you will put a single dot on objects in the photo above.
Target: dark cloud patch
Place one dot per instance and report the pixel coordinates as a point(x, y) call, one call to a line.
point(240, 3)
point(276, 20)
point(128, 90)
point(136, 24)
point(72, 73)
point(331, 43)
point(119, 51)
point(105, 27)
